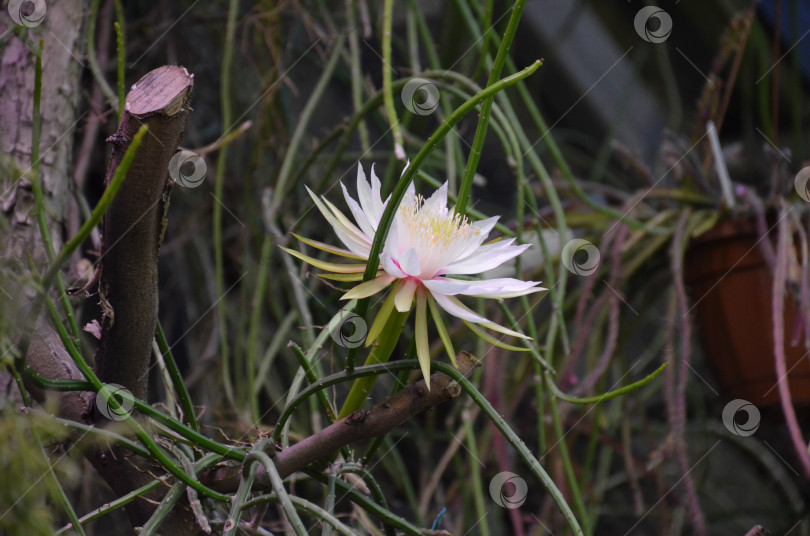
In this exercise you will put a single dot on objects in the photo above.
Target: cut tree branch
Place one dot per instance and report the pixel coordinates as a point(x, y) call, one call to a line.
point(360, 425)
point(134, 226)
point(133, 230)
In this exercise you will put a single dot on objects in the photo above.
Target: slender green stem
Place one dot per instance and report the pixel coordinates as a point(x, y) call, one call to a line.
point(39, 195)
point(406, 178)
point(362, 500)
point(55, 385)
point(356, 73)
point(313, 509)
point(402, 379)
point(112, 506)
point(381, 353)
point(334, 379)
point(257, 304)
point(219, 181)
point(101, 208)
point(374, 487)
point(249, 467)
point(137, 429)
point(199, 465)
point(287, 505)
point(177, 378)
point(468, 388)
point(402, 185)
point(313, 378)
point(483, 117)
point(605, 396)
point(302, 122)
point(163, 510)
point(477, 483)
point(61, 495)
point(122, 57)
point(387, 67)
point(103, 433)
point(330, 493)
point(515, 441)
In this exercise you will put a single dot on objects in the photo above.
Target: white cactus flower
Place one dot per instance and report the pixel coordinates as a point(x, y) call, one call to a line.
point(427, 244)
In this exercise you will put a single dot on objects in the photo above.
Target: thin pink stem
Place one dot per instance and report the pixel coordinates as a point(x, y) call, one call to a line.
point(780, 276)
point(679, 421)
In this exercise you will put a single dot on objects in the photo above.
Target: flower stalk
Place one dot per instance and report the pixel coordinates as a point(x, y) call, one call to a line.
point(380, 353)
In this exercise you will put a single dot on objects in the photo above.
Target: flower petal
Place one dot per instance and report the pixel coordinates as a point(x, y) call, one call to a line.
point(421, 338)
point(380, 320)
point(359, 214)
point(438, 200)
point(348, 226)
point(504, 287)
point(485, 258)
point(351, 238)
point(377, 206)
point(446, 286)
point(390, 266)
point(346, 278)
point(456, 308)
point(440, 327)
point(329, 266)
point(369, 288)
point(463, 248)
point(329, 249)
point(363, 190)
point(409, 262)
point(492, 340)
point(404, 295)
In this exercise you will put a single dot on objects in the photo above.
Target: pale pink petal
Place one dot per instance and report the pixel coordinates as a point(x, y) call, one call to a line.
point(459, 310)
point(499, 288)
point(446, 286)
point(466, 247)
point(351, 237)
point(485, 258)
point(364, 191)
point(359, 215)
point(390, 266)
point(403, 299)
point(368, 288)
point(377, 205)
point(438, 199)
point(409, 262)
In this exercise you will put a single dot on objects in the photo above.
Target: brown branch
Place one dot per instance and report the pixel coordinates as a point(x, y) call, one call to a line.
point(134, 225)
point(363, 424)
point(133, 230)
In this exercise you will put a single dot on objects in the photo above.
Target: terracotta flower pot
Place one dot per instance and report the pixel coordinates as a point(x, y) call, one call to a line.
point(730, 287)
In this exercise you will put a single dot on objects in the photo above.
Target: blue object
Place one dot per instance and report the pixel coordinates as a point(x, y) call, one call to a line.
point(438, 519)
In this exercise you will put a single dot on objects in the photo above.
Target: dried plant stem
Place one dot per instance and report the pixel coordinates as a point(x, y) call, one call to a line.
point(779, 288)
point(681, 371)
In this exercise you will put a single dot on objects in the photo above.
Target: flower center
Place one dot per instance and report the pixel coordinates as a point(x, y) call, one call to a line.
point(434, 227)
point(436, 234)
